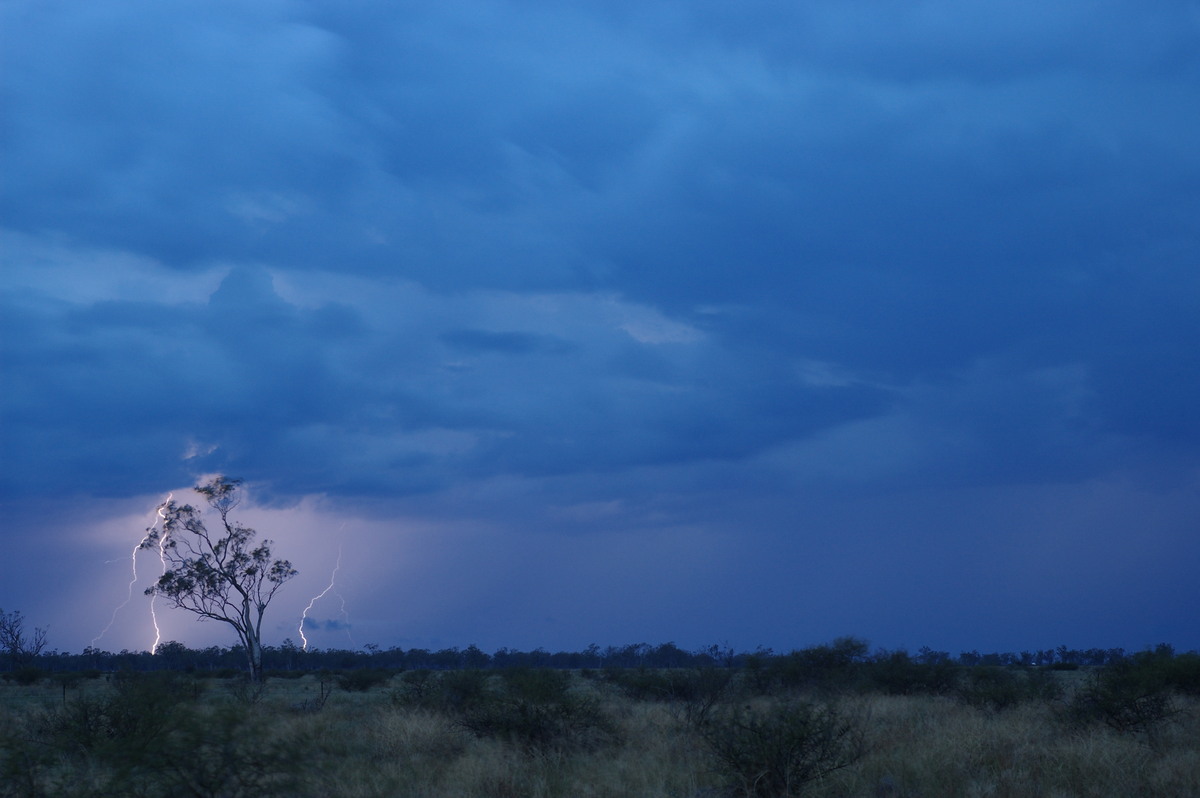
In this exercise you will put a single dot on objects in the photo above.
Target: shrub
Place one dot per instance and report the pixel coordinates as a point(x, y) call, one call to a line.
point(568, 722)
point(123, 730)
point(1183, 673)
point(535, 710)
point(363, 679)
point(897, 673)
point(447, 691)
point(773, 752)
point(462, 690)
point(997, 688)
point(540, 685)
point(230, 752)
point(640, 684)
point(1128, 697)
point(417, 689)
point(693, 686)
point(148, 738)
point(25, 675)
point(830, 667)
point(991, 687)
point(317, 703)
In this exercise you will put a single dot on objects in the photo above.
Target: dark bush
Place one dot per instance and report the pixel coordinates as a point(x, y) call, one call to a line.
point(539, 685)
point(25, 675)
point(640, 684)
point(363, 679)
point(123, 728)
point(445, 691)
point(899, 674)
point(461, 690)
point(687, 685)
point(773, 752)
point(417, 689)
point(568, 722)
point(1183, 673)
point(997, 687)
point(756, 673)
point(230, 752)
point(832, 667)
point(1130, 697)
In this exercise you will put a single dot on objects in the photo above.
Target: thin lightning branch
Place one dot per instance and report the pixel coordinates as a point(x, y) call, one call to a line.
point(162, 558)
point(346, 615)
point(128, 597)
point(134, 578)
point(321, 595)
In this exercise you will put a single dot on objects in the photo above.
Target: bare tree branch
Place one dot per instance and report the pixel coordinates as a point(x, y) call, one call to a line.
point(21, 649)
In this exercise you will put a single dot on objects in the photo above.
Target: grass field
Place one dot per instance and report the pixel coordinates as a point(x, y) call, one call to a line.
point(531, 733)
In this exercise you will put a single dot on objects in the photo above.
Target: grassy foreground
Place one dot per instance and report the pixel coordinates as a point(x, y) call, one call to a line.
point(526, 734)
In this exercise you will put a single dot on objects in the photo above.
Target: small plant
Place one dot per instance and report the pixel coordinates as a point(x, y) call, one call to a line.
point(462, 690)
point(540, 685)
point(998, 688)
point(537, 711)
point(1129, 697)
point(26, 675)
point(362, 679)
point(773, 752)
point(641, 684)
point(417, 689)
point(695, 694)
point(566, 723)
point(1183, 673)
point(897, 673)
point(324, 688)
point(245, 690)
point(991, 687)
point(231, 751)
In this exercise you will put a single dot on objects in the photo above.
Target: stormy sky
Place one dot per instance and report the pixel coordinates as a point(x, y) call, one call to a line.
point(610, 322)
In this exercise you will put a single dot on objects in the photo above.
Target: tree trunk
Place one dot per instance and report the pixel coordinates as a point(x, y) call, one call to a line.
point(254, 655)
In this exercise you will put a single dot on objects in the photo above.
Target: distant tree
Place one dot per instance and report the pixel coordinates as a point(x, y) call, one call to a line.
point(219, 575)
point(20, 648)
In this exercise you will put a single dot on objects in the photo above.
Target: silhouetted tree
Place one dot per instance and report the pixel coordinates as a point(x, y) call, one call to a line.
point(222, 576)
point(21, 648)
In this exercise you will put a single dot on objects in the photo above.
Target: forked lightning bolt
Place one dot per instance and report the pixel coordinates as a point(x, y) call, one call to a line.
point(162, 558)
point(133, 580)
point(321, 595)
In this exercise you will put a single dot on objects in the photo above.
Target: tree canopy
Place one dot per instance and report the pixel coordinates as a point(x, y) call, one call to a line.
point(221, 575)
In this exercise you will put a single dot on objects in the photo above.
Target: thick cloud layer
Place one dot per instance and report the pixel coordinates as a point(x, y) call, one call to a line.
point(713, 279)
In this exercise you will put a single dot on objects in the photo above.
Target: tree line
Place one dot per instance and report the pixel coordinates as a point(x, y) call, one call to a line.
point(842, 655)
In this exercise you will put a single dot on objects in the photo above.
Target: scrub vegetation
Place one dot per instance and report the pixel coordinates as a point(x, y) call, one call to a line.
point(831, 720)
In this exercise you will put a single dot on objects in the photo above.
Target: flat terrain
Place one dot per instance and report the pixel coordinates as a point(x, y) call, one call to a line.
point(529, 734)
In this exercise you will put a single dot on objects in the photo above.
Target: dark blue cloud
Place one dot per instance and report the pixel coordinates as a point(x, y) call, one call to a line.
point(647, 266)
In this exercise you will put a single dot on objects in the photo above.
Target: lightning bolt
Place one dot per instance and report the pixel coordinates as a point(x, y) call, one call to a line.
point(133, 580)
point(162, 558)
point(346, 615)
point(321, 595)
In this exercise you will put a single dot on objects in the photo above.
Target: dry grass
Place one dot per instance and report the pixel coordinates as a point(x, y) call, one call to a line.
point(928, 746)
point(362, 745)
